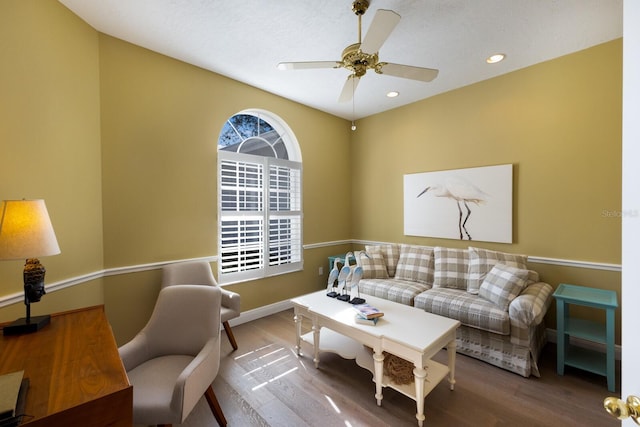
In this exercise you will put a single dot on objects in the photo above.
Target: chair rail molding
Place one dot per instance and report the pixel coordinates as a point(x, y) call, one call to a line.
point(18, 297)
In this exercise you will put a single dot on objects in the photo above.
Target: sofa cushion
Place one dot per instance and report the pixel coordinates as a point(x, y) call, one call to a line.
point(391, 254)
point(415, 264)
point(503, 284)
point(373, 265)
point(401, 291)
point(482, 260)
point(451, 268)
point(470, 310)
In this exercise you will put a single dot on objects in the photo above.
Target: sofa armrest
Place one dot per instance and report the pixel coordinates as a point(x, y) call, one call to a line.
point(530, 307)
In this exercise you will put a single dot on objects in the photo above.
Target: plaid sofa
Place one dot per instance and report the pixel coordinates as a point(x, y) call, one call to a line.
point(500, 303)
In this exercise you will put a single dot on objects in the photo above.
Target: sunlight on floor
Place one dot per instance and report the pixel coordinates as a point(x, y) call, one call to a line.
point(265, 360)
point(335, 408)
point(332, 403)
point(249, 353)
point(272, 358)
point(299, 359)
point(266, 364)
point(274, 379)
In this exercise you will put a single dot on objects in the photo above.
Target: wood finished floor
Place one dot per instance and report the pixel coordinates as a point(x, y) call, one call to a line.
point(264, 383)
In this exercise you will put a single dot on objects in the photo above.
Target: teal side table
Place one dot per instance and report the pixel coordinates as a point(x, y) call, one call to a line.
point(340, 259)
point(588, 360)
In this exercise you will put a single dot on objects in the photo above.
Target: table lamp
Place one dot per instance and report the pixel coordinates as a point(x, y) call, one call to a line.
point(26, 233)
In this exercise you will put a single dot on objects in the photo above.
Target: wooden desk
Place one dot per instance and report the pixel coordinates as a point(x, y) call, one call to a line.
point(76, 375)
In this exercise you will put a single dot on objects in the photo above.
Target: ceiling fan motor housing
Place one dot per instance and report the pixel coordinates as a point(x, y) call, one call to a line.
point(357, 61)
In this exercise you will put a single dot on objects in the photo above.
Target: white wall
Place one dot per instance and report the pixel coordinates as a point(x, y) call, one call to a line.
point(631, 202)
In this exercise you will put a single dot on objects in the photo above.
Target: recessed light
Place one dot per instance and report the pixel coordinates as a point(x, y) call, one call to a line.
point(493, 59)
point(393, 94)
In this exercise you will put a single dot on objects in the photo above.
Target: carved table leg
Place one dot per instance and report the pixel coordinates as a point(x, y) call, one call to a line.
point(298, 321)
point(419, 375)
point(316, 343)
point(378, 359)
point(451, 352)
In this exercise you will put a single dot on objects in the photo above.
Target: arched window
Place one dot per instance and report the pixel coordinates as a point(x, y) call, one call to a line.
point(259, 198)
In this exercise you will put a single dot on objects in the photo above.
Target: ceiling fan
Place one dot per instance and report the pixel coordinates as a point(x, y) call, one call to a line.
point(362, 56)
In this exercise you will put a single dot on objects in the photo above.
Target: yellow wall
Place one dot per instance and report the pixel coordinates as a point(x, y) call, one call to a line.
point(160, 124)
point(121, 143)
point(558, 122)
point(50, 139)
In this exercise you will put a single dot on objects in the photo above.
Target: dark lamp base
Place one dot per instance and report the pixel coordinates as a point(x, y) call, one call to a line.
point(21, 326)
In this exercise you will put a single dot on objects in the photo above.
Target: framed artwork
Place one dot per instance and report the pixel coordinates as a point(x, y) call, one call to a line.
point(463, 204)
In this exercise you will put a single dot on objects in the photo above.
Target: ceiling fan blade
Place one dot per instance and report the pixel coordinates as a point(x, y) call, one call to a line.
point(308, 65)
point(381, 27)
point(349, 88)
point(409, 72)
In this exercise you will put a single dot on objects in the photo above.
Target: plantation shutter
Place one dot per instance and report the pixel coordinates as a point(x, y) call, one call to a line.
point(256, 191)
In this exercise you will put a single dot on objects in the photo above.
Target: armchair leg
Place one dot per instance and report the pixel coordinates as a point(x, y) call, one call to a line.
point(232, 339)
point(215, 407)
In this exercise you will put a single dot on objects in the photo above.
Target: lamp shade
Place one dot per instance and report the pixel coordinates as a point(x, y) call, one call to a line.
point(26, 230)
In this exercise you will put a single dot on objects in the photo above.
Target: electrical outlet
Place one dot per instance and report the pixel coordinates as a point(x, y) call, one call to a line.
point(320, 271)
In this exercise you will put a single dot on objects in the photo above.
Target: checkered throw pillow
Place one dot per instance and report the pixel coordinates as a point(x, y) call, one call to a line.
point(390, 253)
point(451, 268)
point(481, 261)
point(503, 284)
point(415, 264)
point(373, 266)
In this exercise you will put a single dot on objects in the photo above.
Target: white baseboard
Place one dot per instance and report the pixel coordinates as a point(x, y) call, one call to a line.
point(257, 313)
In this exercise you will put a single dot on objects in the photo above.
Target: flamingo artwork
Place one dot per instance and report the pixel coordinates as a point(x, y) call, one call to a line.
point(463, 193)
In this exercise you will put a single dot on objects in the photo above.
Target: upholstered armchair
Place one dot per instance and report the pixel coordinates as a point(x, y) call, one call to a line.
point(199, 273)
point(174, 359)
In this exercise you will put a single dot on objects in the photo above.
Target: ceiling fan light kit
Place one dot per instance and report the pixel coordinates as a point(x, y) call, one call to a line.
point(363, 55)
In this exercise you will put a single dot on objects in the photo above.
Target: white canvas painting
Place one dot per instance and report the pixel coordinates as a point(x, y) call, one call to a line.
point(463, 204)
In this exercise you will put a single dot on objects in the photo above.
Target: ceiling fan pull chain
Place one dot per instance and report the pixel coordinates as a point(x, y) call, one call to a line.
point(353, 107)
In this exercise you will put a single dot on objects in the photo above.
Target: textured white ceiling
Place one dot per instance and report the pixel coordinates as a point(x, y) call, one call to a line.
point(246, 39)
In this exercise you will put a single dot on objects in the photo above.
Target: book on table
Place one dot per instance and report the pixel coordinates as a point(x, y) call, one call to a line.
point(364, 321)
point(368, 311)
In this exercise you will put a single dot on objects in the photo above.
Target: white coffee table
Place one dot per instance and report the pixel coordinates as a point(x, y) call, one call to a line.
point(404, 331)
